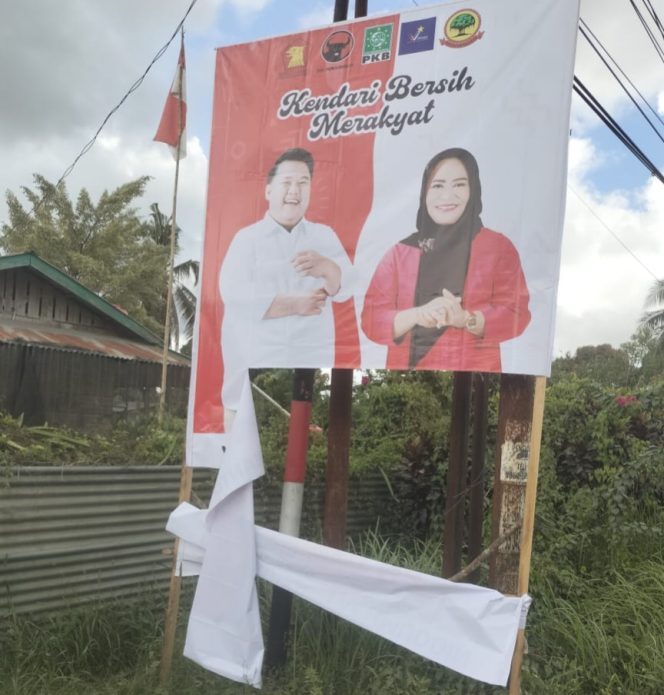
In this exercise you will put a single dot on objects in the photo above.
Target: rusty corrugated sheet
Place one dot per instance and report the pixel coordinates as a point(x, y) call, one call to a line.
point(95, 343)
point(74, 535)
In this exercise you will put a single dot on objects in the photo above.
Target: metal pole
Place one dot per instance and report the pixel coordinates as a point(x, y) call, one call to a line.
point(291, 508)
point(340, 10)
point(361, 7)
point(456, 474)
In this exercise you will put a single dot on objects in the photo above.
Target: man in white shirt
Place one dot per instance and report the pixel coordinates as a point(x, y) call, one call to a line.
point(278, 280)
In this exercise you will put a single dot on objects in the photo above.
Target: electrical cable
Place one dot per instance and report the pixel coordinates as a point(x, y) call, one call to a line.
point(613, 234)
point(613, 126)
point(583, 30)
point(648, 30)
point(653, 14)
point(137, 83)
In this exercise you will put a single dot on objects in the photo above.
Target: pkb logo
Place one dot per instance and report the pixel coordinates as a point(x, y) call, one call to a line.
point(377, 44)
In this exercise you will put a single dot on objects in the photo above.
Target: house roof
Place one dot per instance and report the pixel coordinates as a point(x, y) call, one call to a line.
point(83, 294)
point(80, 341)
point(140, 343)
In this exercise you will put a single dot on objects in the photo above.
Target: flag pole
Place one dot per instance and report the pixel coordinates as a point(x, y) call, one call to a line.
point(186, 472)
point(171, 257)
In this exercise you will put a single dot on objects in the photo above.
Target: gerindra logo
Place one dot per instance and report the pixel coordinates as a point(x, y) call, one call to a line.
point(377, 43)
point(462, 29)
point(417, 36)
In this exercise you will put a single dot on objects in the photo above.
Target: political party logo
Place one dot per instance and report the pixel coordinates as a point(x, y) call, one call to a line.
point(462, 29)
point(337, 46)
point(294, 59)
point(417, 36)
point(377, 43)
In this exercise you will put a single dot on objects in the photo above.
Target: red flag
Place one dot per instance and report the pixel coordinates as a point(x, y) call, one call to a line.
point(174, 118)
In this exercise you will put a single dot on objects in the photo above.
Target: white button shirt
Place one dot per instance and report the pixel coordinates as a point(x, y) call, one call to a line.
point(257, 267)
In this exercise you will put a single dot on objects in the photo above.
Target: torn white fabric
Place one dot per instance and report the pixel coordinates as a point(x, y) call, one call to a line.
point(224, 630)
point(525, 607)
point(467, 628)
point(188, 524)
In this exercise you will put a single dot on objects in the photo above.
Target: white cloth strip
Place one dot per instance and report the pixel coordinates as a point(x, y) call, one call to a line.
point(467, 628)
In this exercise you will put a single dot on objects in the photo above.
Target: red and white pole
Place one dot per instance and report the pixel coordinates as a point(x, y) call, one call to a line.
point(292, 494)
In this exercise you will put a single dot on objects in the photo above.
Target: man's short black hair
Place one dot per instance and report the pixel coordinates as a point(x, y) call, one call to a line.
point(294, 154)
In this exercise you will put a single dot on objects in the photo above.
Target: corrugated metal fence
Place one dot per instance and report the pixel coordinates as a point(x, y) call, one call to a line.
point(72, 535)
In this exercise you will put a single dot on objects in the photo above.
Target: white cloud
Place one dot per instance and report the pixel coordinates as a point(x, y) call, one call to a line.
point(602, 286)
point(318, 16)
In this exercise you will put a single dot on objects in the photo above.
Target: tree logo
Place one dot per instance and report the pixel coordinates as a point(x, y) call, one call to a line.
point(462, 29)
point(377, 43)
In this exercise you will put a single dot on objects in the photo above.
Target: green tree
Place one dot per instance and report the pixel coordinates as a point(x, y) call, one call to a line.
point(603, 364)
point(184, 299)
point(104, 246)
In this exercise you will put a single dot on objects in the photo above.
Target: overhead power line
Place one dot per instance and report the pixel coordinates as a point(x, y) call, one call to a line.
point(649, 31)
point(613, 234)
point(137, 83)
point(583, 28)
point(613, 126)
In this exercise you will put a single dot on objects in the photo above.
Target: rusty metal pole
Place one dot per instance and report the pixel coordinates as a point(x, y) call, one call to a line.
point(477, 461)
point(456, 474)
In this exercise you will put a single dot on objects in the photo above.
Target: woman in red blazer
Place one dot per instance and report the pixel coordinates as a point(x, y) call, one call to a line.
point(447, 295)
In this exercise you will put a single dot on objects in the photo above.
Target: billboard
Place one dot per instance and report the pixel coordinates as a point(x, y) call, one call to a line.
point(385, 193)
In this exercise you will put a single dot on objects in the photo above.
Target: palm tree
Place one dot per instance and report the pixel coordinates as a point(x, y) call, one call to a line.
point(184, 299)
point(653, 319)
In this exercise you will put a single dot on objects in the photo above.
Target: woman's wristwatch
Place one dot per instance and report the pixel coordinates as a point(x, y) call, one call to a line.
point(471, 321)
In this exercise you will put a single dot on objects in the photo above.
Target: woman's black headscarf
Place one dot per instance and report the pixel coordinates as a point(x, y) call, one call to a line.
point(445, 248)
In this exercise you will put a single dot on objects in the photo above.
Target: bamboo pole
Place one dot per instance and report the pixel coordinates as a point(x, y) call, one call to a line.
point(171, 256)
point(528, 523)
point(186, 472)
point(170, 622)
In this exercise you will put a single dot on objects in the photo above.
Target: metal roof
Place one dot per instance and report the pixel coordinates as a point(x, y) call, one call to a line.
point(96, 343)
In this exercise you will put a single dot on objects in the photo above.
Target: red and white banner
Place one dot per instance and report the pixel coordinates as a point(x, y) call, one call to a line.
point(387, 192)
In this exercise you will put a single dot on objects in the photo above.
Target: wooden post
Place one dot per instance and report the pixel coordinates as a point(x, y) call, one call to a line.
point(476, 490)
point(509, 491)
point(456, 474)
point(336, 471)
point(528, 524)
point(171, 620)
point(339, 421)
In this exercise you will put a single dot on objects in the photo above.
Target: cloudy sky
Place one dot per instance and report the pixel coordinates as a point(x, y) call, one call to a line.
point(67, 65)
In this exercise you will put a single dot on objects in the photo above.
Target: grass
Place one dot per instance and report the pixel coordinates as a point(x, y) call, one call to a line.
point(604, 637)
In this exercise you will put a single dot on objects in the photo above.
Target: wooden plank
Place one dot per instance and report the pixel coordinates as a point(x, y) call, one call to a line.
point(512, 456)
point(528, 525)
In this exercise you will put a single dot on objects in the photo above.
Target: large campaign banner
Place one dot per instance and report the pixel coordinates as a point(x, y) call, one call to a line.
point(385, 193)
